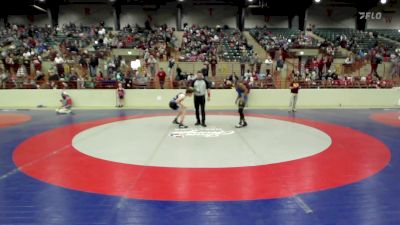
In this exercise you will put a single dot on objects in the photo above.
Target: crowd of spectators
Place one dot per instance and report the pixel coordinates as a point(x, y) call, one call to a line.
point(75, 52)
point(202, 43)
point(273, 40)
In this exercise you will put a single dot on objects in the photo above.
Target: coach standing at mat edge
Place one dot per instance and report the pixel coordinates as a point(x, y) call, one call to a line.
point(201, 86)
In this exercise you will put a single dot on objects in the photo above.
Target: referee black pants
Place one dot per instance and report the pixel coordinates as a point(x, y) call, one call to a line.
point(200, 102)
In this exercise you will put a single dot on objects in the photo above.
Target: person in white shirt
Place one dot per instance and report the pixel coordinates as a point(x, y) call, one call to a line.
point(80, 82)
point(191, 77)
point(59, 62)
point(268, 61)
point(152, 62)
point(247, 75)
point(102, 31)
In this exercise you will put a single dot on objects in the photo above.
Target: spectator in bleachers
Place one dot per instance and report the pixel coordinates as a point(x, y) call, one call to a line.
point(99, 77)
point(213, 63)
point(171, 65)
point(252, 62)
point(280, 63)
point(3, 78)
point(161, 77)
point(22, 76)
point(268, 61)
point(395, 70)
point(204, 71)
point(376, 59)
point(349, 60)
point(152, 62)
point(206, 66)
point(249, 80)
point(243, 61)
point(329, 62)
point(80, 82)
point(39, 77)
point(59, 63)
point(190, 79)
point(37, 63)
point(128, 78)
point(93, 64)
point(10, 64)
point(178, 73)
point(142, 79)
point(247, 75)
point(258, 63)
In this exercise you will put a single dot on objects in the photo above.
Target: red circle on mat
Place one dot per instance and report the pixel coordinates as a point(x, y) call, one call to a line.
point(8, 120)
point(352, 157)
point(388, 118)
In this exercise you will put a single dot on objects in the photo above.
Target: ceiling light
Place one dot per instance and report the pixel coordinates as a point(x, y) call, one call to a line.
point(39, 8)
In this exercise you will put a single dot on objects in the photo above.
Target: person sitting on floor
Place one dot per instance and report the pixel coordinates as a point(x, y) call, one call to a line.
point(66, 102)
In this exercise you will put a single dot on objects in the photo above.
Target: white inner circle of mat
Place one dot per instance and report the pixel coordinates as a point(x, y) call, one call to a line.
point(148, 141)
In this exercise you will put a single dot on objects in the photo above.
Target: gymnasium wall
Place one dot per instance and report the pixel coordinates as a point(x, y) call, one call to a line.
point(86, 14)
point(210, 15)
point(92, 14)
point(308, 98)
point(269, 21)
point(137, 15)
point(390, 17)
point(38, 20)
point(324, 16)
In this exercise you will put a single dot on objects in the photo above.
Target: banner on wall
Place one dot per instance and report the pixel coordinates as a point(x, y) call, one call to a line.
point(31, 18)
point(87, 11)
point(388, 19)
point(329, 12)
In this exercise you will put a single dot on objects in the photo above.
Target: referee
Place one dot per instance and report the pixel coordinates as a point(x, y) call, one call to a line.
point(201, 86)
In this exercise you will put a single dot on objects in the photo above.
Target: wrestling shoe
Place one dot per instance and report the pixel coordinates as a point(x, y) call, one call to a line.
point(181, 126)
point(175, 121)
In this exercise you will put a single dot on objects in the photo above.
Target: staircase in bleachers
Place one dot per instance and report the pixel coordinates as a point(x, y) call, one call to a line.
point(178, 35)
point(257, 48)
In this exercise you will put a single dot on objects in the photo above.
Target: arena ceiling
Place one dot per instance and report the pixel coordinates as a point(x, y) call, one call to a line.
point(272, 7)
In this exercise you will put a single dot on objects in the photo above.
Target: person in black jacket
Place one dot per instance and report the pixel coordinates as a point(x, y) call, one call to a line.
point(93, 63)
point(201, 87)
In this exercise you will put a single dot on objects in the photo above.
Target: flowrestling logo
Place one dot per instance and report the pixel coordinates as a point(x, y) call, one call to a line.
point(375, 16)
point(202, 132)
point(370, 15)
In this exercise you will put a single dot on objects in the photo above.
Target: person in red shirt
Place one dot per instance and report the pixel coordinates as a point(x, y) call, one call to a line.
point(66, 104)
point(120, 96)
point(99, 77)
point(294, 91)
point(161, 77)
point(369, 79)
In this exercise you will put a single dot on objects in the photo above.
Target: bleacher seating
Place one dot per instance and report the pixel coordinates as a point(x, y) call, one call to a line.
point(355, 40)
point(282, 38)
